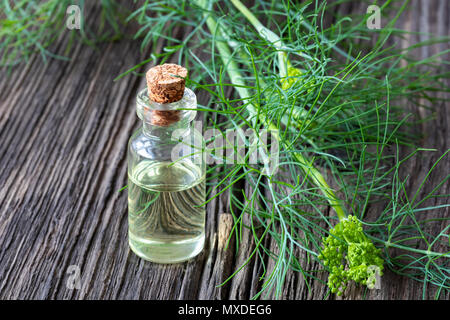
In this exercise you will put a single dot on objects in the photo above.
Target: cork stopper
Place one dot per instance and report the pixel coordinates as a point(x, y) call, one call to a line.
point(165, 84)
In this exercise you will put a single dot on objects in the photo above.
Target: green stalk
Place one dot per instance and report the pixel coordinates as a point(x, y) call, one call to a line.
point(283, 62)
point(233, 72)
point(298, 115)
point(276, 41)
point(267, 34)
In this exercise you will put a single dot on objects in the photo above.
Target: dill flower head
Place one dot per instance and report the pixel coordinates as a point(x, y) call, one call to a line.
point(350, 255)
point(294, 75)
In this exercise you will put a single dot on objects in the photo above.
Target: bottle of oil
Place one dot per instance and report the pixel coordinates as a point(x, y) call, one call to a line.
point(166, 171)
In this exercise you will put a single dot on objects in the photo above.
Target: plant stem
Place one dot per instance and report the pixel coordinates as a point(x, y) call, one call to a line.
point(269, 35)
point(232, 69)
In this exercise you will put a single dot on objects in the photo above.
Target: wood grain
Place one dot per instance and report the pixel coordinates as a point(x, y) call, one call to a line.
point(64, 128)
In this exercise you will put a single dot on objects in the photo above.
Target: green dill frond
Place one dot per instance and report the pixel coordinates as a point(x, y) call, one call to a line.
point(336, 100)
point(30, 27)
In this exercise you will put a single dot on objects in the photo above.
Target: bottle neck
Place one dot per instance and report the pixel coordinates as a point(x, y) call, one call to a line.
point(179, 115)
point(166, 133)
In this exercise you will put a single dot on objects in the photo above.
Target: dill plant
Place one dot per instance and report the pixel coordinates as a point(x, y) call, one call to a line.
point(336, 106)
point(29, 27)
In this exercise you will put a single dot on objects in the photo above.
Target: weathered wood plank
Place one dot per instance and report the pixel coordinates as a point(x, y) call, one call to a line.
point(63, 131)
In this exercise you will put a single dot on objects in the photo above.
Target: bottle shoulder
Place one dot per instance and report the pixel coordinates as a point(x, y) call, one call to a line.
point(164, 163)
point(137, 135)
point(170, 148)
point(142, 146)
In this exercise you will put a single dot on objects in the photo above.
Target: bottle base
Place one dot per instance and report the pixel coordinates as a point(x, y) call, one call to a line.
point(166, 252)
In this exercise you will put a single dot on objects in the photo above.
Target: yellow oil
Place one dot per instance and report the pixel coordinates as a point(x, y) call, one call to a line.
point(166, 215)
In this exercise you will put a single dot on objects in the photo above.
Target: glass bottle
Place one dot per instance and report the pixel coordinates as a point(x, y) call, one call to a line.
point(166, 181)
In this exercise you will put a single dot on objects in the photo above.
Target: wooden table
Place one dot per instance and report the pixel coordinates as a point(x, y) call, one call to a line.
point(64, 128)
